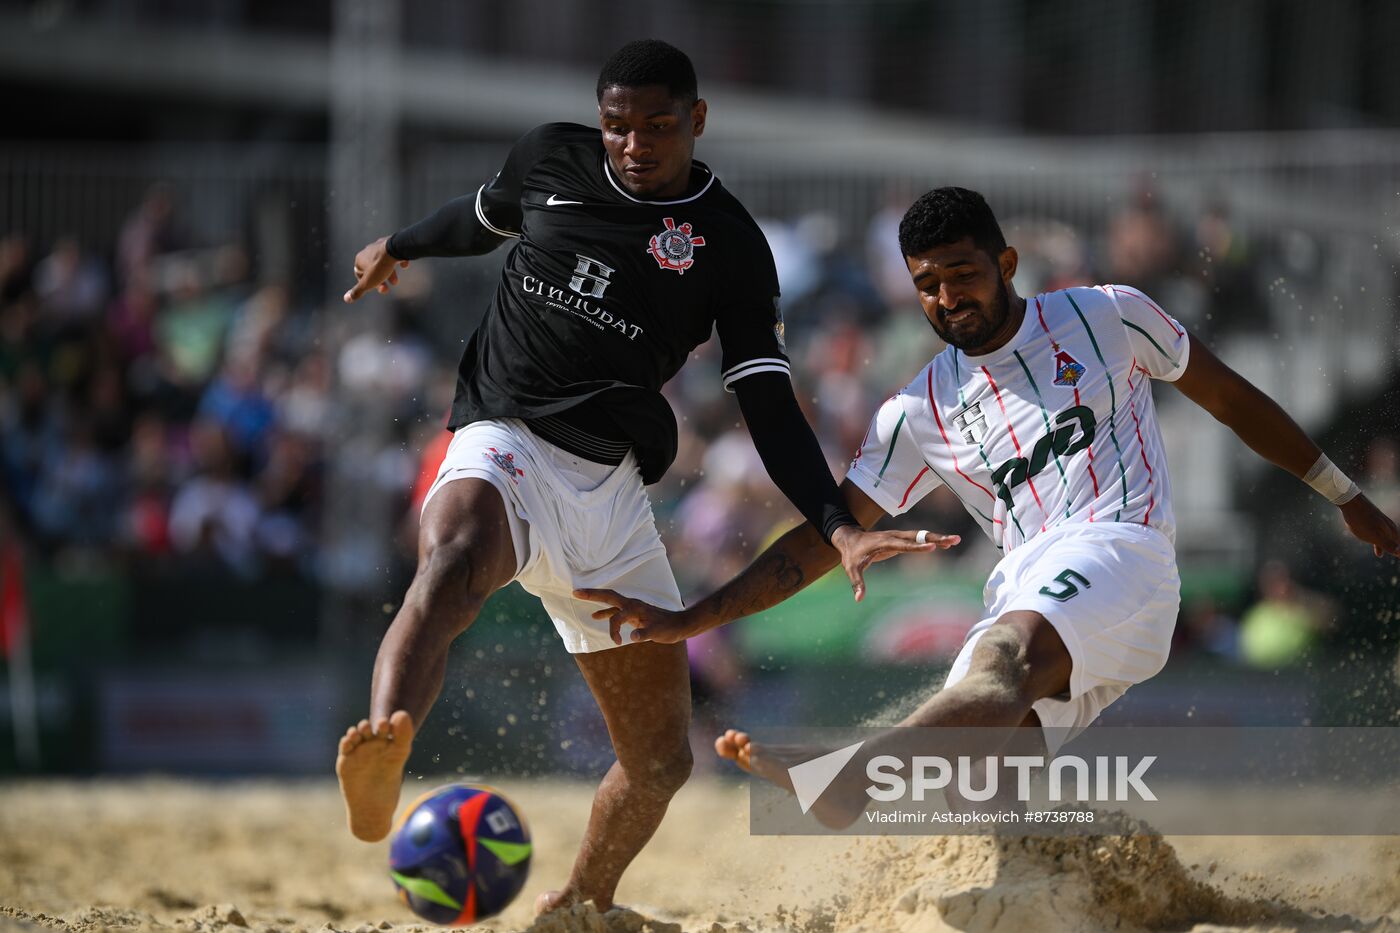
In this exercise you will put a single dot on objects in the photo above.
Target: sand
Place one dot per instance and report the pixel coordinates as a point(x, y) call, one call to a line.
point(156, 855)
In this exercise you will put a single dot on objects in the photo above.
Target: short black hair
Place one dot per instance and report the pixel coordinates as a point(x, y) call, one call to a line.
point(946, 215)
point(650, 61)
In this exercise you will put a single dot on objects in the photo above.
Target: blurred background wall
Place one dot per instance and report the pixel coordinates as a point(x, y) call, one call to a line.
point(211, 467)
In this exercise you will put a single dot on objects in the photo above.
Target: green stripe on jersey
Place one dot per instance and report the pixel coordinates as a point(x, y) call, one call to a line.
point(898, 426)
point(1112, 401)
point(1169, 358)
point(1048, 430)
point(965, 504)
point(962, 402)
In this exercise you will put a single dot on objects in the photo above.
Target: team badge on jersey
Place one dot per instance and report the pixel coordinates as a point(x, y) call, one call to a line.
point(779, 329)
point(674, 247)
point(506, 462)
point(971, 423)
point(1068, 370)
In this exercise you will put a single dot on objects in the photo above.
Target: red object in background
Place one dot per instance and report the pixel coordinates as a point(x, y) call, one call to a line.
point(14, 615)
point(428, 466)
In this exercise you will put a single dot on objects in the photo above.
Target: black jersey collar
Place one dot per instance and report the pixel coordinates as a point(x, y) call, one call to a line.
point(608, 174)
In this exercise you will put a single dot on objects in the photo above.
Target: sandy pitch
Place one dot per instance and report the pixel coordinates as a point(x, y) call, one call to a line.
point(191, 857)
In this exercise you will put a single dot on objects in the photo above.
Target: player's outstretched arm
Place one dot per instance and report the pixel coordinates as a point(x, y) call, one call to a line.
point(1262, 424)
point(788, 565)
point(794, 461)
point(452, 230)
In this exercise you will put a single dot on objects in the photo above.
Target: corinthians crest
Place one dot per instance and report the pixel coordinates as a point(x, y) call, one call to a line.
point(971, 423)
point(674, 247)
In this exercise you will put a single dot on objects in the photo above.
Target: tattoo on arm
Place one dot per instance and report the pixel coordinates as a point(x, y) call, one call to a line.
point(788, 566)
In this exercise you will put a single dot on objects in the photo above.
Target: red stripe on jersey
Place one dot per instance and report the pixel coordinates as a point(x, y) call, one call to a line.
point(870, 427)
point(1090, 450)
point(939, 422)
point(912, 485)
point(1040, 313)
point(1151, 304)
point(1029, 481)
point(1142, 449)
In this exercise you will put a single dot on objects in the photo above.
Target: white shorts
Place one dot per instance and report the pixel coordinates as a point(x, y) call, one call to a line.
point(1111, 591)
point(574, 523)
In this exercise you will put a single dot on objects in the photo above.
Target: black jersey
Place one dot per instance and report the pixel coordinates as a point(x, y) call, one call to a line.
point(604, 295)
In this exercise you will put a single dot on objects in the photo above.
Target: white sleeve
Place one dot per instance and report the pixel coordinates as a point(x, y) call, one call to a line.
point(889, 467)
point(1159, 342)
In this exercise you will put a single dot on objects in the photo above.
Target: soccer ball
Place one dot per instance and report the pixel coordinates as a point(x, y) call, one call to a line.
point(459, 854)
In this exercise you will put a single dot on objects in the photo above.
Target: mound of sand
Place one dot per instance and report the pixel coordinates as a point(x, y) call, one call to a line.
point(1132, 880)
point(264, 857)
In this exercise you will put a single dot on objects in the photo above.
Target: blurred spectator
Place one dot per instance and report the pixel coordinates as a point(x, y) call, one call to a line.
point(214, 516)
point(235, 401)
point(1141, 248)
point(1206, 628)
point(71, 284)
point(1285, 623)
point(1229, 274)
point(147, 233)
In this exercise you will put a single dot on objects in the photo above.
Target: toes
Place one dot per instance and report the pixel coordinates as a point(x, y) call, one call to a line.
point(381, 728)
point(349, 741)
point(549, 900)
point(401, 724)
point(365, 729)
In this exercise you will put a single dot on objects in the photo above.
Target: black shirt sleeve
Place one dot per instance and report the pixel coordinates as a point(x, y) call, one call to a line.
point(749, 320)
point(475, 224)
point(790, 451)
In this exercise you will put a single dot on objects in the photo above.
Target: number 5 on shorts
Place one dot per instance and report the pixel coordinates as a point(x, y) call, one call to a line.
point(1067, 588)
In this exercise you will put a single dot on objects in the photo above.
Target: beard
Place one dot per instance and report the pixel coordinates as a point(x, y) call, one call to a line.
point(981, 327)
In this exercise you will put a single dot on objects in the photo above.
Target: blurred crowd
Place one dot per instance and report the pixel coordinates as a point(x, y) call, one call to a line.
point(156, 405)
point(164, 406)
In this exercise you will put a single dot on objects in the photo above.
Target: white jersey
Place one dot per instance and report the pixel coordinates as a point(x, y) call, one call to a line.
point(1055, 427)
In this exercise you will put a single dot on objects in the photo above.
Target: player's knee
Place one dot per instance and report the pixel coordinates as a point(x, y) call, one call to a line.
point(674, 770)
point(1002, 658)
point(663, 773)
point(453, 568)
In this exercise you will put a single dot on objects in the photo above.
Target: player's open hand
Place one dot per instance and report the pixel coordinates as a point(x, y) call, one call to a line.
point(859, 549)
point(648, 622)
point(375, 270)
point(1368, 523)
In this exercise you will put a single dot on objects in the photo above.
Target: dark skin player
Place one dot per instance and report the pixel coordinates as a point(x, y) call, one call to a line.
point(465, 554)
point(968, 297)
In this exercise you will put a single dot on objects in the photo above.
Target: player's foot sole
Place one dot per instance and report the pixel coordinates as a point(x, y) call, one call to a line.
point(840, 805)
point(370, 767)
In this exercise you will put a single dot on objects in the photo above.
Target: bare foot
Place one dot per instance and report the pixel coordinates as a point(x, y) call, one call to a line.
point(370, 769)
point(840, 805)
point(554, 900)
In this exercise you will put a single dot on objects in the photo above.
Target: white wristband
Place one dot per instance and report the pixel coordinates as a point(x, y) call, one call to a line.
point(1331, 483)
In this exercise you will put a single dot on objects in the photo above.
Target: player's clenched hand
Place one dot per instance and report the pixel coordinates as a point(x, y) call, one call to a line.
point(1371, 525)
point(649, 623)
point(859, 549)
point(375, 269)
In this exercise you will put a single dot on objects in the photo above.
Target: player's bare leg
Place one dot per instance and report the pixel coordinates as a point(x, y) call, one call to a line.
point(465, 554)
point(643, 691)
point(1017, 661)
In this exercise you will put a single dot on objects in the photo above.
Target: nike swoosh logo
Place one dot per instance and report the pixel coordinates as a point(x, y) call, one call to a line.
point(554, 201)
